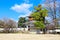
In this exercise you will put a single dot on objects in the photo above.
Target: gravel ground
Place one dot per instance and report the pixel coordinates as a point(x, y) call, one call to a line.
point(29, 37)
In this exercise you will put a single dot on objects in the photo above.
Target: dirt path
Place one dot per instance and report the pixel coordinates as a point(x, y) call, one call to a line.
point(29, 37)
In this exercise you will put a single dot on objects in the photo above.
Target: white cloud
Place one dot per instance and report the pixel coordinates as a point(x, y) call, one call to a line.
point(23, 9)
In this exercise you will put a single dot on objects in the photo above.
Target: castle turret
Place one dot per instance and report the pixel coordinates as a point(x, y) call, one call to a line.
point(30, 18)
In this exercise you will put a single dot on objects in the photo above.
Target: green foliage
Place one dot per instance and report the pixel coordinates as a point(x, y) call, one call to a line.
point(20, 24)
point(39, 25)
point(36, 16)
point(44, 12)
point(39, 15)
point(38, 8)
point(21, 21)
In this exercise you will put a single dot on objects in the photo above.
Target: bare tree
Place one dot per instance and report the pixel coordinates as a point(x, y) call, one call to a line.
point(2, 24)
point(52, 6)
point(9, 25)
